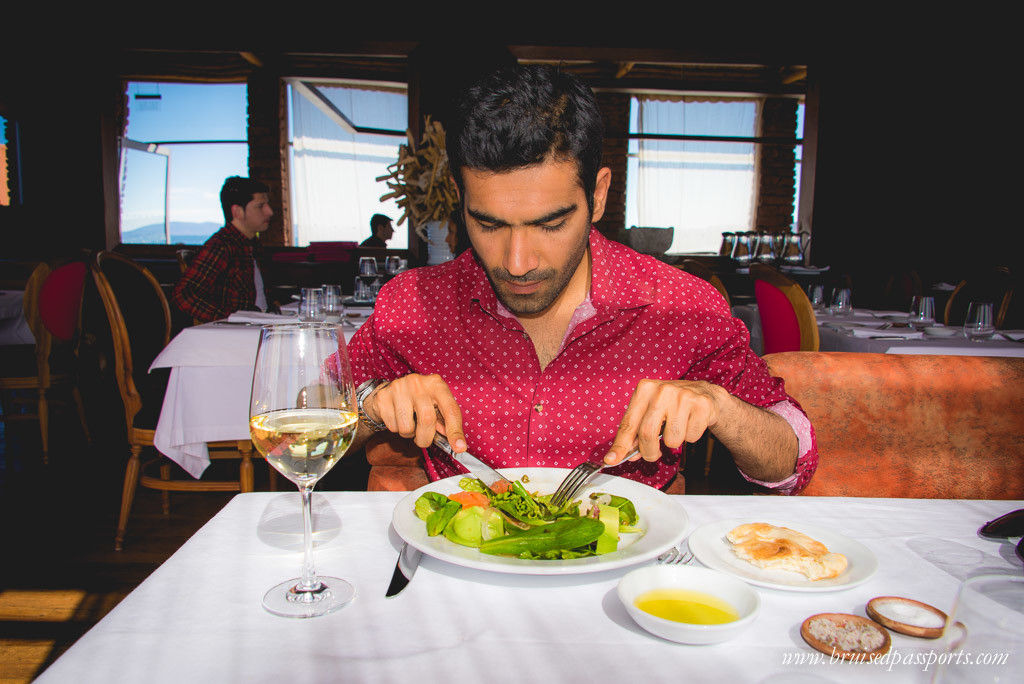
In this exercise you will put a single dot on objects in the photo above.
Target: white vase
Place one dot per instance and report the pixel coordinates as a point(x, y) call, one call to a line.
point(434, 233)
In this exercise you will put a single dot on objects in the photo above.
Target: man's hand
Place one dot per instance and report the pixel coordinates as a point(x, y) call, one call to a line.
point(665, 411)
point(418, 406)
point(763, 445)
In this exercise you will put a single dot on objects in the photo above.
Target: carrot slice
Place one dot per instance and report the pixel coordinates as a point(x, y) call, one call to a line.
point(469, 499)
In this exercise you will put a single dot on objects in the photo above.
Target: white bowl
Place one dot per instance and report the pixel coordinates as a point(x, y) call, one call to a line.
point(936, 331)
point(726, 587)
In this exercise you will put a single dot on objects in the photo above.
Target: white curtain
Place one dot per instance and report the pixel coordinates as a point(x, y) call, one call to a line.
point(700, 188)
point(333, 172)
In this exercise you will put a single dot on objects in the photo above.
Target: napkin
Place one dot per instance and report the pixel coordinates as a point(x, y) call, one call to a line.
point(260, 317)
point(890, 332)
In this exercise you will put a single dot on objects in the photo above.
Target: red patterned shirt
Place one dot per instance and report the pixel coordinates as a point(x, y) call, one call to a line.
point(221, 280)
point(642, 319)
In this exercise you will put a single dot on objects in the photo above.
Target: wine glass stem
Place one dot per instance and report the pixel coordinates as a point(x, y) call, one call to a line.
point(309, 580)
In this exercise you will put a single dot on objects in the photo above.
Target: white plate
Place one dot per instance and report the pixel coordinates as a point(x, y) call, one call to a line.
point(709, 545)
point(663, 520)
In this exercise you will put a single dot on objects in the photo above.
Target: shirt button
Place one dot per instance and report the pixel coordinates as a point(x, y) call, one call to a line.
point(539, 407)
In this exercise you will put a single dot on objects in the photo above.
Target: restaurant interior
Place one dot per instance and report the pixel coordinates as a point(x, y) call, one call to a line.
point(906, 179)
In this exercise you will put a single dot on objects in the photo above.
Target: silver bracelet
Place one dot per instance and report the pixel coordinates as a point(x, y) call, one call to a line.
point(364, 391)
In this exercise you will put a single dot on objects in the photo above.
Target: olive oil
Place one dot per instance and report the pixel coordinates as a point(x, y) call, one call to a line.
point(685, 605)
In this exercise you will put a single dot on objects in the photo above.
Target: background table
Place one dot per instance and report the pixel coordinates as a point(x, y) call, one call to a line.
point(199, 618)
point(207, 398)
point(13, 326)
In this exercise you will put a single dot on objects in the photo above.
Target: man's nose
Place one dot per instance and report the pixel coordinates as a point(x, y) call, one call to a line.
point(520, 256)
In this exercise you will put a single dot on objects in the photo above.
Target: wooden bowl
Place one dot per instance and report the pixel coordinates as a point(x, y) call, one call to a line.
point(843, 623)
point(876, 610)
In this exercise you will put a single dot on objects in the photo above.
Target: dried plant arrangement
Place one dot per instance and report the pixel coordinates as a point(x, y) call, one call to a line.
point(420, 182)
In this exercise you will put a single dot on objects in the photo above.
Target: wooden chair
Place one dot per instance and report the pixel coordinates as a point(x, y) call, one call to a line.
point(140, 324)
point(52, 308)
point(396, 464)
point(893, 425)
point(694, 267)
point(991, 285)
point(787, 317)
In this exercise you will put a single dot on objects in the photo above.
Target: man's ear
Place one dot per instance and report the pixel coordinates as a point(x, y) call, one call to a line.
point(237, 212)
point(604, 181)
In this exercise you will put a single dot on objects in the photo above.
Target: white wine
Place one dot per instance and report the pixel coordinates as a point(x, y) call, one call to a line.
point(303, 444)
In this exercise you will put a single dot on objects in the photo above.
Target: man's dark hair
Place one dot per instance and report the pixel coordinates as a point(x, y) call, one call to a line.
point(240, 191)
point(524, 115)
point(378, 221)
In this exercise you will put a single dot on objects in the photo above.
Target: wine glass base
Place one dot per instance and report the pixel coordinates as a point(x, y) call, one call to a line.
point(284, 601)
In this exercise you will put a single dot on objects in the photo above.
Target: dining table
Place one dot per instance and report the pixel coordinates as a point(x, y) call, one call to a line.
point(198, 617)
point(207, 396)
point(13, 326)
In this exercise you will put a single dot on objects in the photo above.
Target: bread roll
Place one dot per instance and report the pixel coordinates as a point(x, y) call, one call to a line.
point(780, 548)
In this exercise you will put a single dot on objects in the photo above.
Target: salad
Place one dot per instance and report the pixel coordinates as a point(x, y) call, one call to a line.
point(508, 520)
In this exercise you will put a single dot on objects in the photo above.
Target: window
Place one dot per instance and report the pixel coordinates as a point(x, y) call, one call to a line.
point(9, 187)
point(182, 141)
point(799, 158)
point(702, 186)
point(342, 138)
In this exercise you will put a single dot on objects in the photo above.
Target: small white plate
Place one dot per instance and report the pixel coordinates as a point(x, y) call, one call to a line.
point(662, 518)
point(709, 545)
point(936, 331)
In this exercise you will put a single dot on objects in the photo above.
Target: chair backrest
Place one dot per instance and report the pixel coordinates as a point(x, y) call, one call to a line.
point(894, 425)
point(787, 317)
point(694, 267)
point(140, 322)
point(30, 309)
point(60, 300)
point(185, 257)
point(993, 285)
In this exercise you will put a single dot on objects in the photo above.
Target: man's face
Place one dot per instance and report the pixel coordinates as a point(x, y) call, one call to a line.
point(529, 228)
point(255, 217)
point(386, 231)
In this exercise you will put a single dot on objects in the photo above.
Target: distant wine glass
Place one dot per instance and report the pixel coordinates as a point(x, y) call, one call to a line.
point(311, 304)
point(392, 265)
point(922, 312)
point(842, 302)
point(978, 325)
point(303, 419)
point(367, 266)
point(332, 303)
point(816, 293)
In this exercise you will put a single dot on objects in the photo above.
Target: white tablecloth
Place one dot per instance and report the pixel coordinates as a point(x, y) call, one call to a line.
point(198, 618)
point(207, 397)
point(13, 326)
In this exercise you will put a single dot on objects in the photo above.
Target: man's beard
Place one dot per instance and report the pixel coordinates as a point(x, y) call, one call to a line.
point(554, 282)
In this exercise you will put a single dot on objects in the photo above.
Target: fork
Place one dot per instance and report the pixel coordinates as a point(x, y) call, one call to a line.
point(578, 477)
point(677, 555)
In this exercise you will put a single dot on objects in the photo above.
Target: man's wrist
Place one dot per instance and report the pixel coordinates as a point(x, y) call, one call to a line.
point(363, 394)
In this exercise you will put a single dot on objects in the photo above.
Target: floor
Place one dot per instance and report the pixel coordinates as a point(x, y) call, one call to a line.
point(60, 574)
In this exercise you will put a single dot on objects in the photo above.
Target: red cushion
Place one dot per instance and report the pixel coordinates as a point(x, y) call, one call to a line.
point(61, 298)
point(779, 327)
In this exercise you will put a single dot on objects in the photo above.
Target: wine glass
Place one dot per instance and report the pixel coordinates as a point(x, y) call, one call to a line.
point(816, 294)
point(332, 303)
point(303, 418)
point(978, 325)
point(311, 304)
point(842, 302)
point(392, 265)
point(922, 312)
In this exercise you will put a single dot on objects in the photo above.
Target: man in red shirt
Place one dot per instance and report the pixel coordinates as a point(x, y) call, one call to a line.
point(224, 276)
point(546, 344)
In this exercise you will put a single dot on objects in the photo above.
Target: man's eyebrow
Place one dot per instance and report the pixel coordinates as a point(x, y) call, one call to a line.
point(484, 217)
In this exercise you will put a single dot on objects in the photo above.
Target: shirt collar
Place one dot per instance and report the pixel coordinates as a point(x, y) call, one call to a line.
point(232, 234)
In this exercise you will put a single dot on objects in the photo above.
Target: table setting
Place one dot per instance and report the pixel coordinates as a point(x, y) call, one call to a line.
point(454, 620)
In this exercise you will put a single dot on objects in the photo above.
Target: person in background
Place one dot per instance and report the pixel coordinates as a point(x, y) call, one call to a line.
point(224, 277)
point(380, 226)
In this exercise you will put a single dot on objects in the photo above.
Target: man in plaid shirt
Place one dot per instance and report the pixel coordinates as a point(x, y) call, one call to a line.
point(224, 277)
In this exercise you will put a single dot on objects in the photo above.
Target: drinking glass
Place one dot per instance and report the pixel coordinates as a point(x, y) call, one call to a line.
point(816, 293)
point(922, 312)
point(311, 304)
point(332, 303)
point(303, 418)
point(984, 634)
point(392, 265)
point(363, 289)
point(367, 266)
point(842, 302)
point(978, 325)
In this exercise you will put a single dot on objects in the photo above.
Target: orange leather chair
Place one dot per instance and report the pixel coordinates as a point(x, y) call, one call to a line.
point(890, 425)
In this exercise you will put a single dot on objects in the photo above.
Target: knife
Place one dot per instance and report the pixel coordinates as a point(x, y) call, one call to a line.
point(409, 557)
point(405, 568)
point(474, 465)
